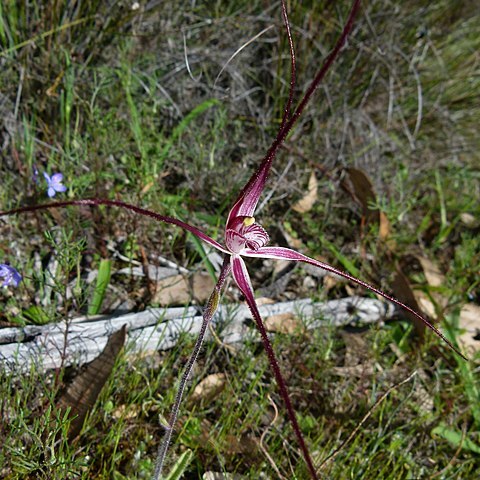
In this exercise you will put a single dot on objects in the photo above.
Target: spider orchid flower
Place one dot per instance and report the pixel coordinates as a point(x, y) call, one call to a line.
point(245, 238)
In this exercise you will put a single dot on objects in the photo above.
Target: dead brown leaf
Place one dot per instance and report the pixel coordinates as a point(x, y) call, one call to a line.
point(330, 282)
point(469, 321)
point(469, 220)
point(364, 193)
point(209, 388)
point(127, 412)
point(385, 231)
point(82, 393)
point(306, 203)
point(222, 476)
point(358, 360)
point(286, 323)
point(435, 278)
point(425, 304)
point(264, 301)
point(357, 349)
point(404, 292)
point(179, 289)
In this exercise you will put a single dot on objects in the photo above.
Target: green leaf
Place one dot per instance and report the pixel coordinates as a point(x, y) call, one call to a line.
point(454, 437)
point(103, 279)
point(36, 315)
point(180, 466)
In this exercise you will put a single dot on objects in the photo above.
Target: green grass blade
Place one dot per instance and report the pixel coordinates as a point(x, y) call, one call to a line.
point(455, 437)
point(180, 466)
point(346, 263)
point(208, 264)
point(470, 381)
point(177, 131)
point(103, 279)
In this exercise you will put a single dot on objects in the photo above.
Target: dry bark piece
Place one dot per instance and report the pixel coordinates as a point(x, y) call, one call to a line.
point(59, 345)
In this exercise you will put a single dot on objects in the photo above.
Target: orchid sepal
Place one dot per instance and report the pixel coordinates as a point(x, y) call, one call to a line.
point(127, 206)
point(282, 253)
point(242, 279)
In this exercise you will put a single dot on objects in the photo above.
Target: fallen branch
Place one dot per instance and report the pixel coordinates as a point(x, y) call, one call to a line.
point(54, 345)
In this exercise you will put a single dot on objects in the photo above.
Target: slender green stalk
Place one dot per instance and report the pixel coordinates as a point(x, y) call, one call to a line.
point(208, 313)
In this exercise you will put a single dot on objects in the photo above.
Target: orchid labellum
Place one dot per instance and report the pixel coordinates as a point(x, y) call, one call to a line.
point(245, 238)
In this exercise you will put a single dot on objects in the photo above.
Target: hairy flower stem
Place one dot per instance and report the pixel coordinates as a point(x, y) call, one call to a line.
point(208, 313)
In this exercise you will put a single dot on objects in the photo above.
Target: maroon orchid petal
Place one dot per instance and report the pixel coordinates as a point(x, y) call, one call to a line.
point(242, 279)
point(249, 196)
point(116, 203)
point(245, 233)
point(247, 203)
point(235, 241)
point(293, 68)
point(256, 236)
point(247, 200)
point(281, 253)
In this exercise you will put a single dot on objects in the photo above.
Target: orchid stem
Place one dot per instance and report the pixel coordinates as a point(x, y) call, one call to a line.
point(208, 313)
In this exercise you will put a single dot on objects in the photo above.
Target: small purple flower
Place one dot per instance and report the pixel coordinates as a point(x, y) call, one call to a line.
point(10, 275)
point(54, 183)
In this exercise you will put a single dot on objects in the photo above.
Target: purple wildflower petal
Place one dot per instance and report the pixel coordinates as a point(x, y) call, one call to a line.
point(57, 178)
point(242, 279)
point(116, 203)
point(54, 184)
point(281, 253)
point(10, 275)
point(57, 182)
